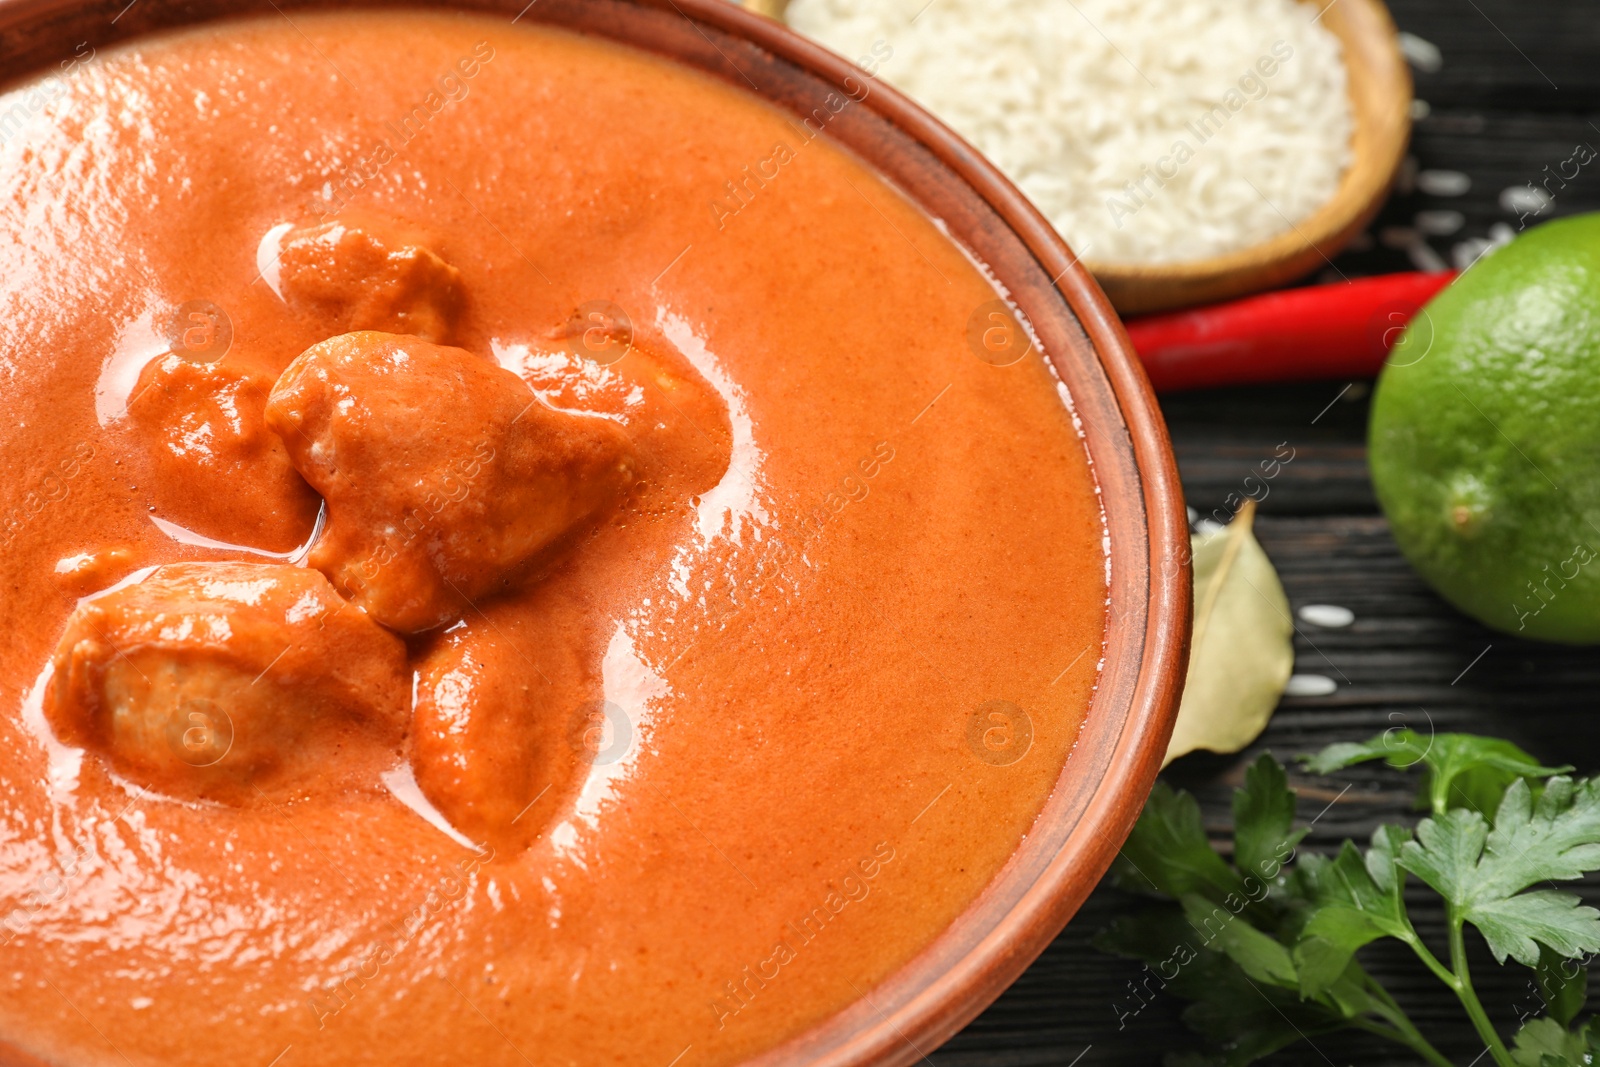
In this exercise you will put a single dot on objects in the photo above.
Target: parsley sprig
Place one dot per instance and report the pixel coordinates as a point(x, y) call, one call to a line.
point(1265, 943)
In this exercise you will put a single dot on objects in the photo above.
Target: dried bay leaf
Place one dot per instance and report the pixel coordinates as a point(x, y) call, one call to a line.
point(1243, 648)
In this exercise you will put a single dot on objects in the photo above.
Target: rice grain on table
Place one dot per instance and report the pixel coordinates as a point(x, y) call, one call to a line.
point(1148, 131)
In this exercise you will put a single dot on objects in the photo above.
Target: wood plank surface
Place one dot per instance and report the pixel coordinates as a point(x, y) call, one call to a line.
point(1518, 89)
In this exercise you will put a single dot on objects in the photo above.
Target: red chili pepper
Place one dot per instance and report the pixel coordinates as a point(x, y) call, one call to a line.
point(1343, 330)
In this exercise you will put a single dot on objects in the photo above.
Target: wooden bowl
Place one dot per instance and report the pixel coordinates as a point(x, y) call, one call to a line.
point(1380, 100)
point(1104, 784)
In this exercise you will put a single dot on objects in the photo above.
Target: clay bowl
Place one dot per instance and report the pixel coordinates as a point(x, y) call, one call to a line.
point(1109, 774)
point(1380, 100)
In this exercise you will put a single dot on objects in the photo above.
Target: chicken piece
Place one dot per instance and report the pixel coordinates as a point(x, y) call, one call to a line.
point(201, 435)
point(361, 275)
point(224, 680)
point(678, 423)
point(491, 745)
point(442, 473)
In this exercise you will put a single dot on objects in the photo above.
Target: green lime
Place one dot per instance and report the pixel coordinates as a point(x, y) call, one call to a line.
point(1485, 436)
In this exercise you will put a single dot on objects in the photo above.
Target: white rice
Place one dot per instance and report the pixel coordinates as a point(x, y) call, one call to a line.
point(1148, 131)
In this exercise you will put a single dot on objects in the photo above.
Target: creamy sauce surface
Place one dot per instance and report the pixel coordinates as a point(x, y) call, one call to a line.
point(778, 717)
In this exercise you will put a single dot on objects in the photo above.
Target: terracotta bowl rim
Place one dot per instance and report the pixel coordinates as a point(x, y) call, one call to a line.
point(925, 1005)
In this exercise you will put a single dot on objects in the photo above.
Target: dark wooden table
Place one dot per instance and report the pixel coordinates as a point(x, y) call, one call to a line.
point(1518, 90)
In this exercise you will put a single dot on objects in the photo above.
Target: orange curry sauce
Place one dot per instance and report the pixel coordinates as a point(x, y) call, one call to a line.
point(675, 710)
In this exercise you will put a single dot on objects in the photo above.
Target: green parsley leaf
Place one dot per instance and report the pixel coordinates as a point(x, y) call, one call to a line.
point(1148, 934)
point(1176, 962)
point(1260, 956)
point(1168, 852)
point(1263, 822)
point(1265, 948)
point(1247, 1020)
point(1357, 900)
point(1446, 851)
point(1483, 873)
point(1517, 926)
point(1563, 983)
point(1463, 770)
point(1546, 1043)
point(1556, 839)
point(1239, 1012)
